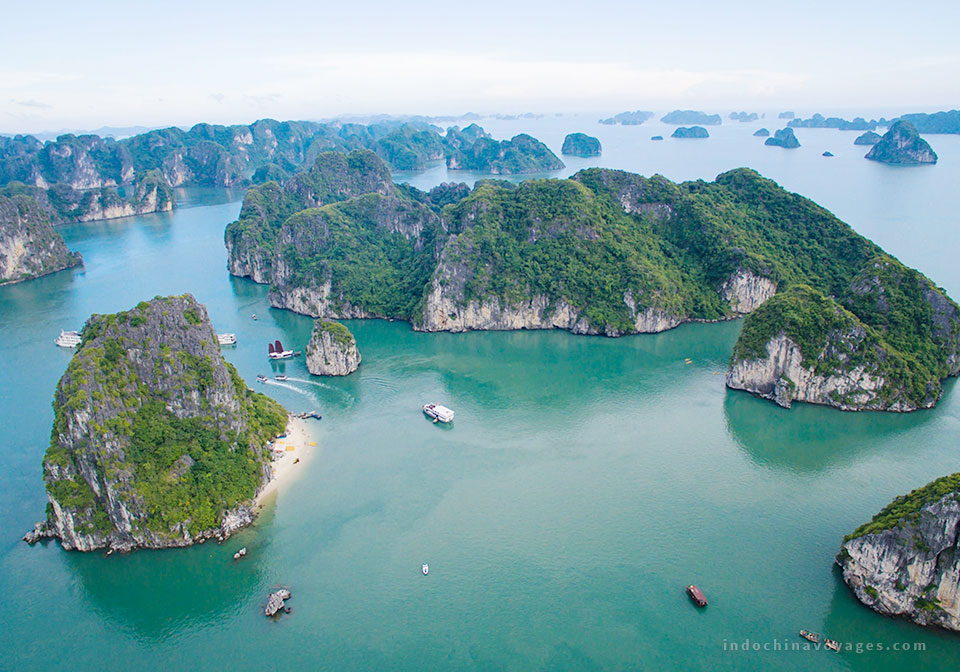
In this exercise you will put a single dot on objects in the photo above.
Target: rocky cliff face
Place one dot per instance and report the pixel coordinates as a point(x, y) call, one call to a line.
point(29, 246)
point(157, 442)
point(332, 350)
point(746, 291)
point(784, 377)
point(902, 145)
point(906, 562)
point(885, 345)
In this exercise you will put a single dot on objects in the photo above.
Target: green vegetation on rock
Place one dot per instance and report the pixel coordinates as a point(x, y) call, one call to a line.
point(580, 144)
point(907, 508)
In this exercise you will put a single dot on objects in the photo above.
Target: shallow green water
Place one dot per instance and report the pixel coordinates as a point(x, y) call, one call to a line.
point(583, 484)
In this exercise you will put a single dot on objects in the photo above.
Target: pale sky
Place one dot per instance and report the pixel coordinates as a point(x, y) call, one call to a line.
point(88, 64)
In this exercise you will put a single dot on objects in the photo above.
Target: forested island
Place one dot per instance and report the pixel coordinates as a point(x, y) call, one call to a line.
point(580, 144)
point(88, 177)
point(628, 118)
point(29, 245)
point(685, 117)
point(783, 138)
point(761, 133)
point(868, 138)
point(906, 560)
point(819, 121)
point(157, 442)
point(696, 132)
point(743, 117)
point(604, 252)
point(902, 146)
point(938, 122)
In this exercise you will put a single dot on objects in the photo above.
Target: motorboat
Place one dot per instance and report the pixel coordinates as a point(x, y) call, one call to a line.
point(425, 568)
point(438, 413)
point(280, 377)
point(261, 379)
point(68, 339)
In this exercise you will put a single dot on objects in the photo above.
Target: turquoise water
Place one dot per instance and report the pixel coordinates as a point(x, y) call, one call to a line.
point(583, 484)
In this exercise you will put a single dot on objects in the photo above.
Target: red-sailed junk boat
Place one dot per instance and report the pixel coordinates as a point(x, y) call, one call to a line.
point(697, 595)
point(275, 351)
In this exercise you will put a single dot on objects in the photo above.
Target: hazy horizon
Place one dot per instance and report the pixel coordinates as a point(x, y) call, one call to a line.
point(112, 64)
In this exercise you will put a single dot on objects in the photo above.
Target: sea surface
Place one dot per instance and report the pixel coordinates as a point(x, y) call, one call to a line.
point(584, 483)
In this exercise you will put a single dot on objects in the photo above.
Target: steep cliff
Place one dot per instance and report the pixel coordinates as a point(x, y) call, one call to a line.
point(903, 146)
point(157, 441)
point(29, 246)
point(906, 561)
point(331, 350)
point(885, 345)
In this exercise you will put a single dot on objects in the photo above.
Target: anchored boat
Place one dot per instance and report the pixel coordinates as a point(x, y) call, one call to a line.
point(68, 339)
point(425, 568)
point(438, 413)
point(831, 644)
point(810, 636)
point(226, 339)
point(697, 595)
point(275, 351)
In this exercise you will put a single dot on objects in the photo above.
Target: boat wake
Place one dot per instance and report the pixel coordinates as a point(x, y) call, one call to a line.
point(287, 386)
point(323, 385)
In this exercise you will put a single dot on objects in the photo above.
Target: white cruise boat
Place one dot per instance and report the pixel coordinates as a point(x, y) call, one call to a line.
point(438, 413)
point(68, 339)
point(226, 339)
point(425, 568)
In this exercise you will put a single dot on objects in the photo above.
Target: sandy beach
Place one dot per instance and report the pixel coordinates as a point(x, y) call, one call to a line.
point(288, 464)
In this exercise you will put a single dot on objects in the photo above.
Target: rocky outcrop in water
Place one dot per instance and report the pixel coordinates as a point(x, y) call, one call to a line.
point(521, 154)
point(906, 561)
point(29, 245)
point(761, 133)
point(691, 117)
point(886, 344)
point(902, 146)
point(332, 350)
point(783, 138)
point(691, 132)
point(277, 602)
point(819, 121)
point(628, 118)
point(868, 138)
point(157, 442)
point(580, 144)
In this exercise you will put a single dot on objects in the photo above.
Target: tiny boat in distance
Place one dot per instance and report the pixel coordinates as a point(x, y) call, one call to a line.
point(226, 339)
point(261, 378)
point(438, 413)
point(253, 317)
point(280, 377)
point(810, 636)
point(831, 644)
point(425, 568)
point(697, 595)
point(68, 339)
point(275, 351)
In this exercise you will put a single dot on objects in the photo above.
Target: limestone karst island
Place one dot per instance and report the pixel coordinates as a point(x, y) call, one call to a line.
point(409, 337)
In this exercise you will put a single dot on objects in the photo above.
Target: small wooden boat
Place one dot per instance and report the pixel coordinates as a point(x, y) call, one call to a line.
point(810, 636)
point(831, 644)
point(240, 554)
point(697, 595)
